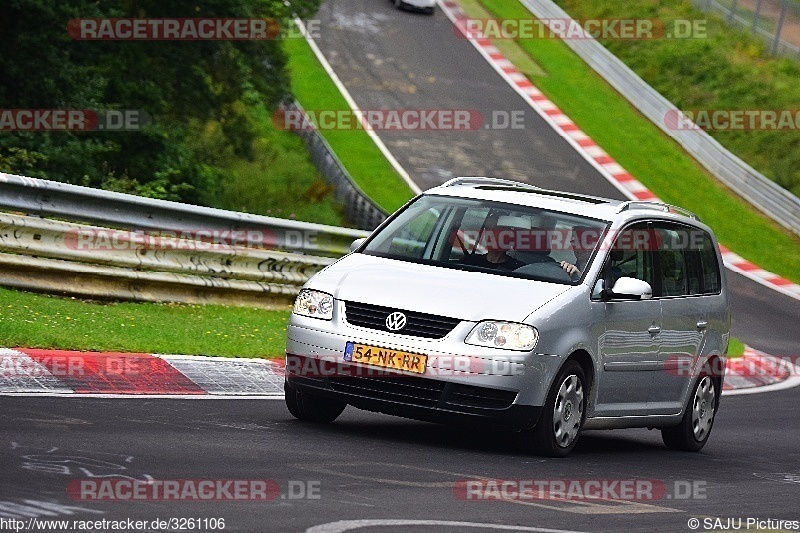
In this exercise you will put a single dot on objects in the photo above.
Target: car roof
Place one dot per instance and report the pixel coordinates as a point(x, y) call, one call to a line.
point(518, 193)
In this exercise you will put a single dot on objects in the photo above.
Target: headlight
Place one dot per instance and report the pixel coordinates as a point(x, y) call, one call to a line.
point(505, 335)
point(316, 304)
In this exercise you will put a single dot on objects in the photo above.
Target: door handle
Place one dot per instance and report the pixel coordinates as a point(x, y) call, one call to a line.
point(654, 330)
point(702, 324)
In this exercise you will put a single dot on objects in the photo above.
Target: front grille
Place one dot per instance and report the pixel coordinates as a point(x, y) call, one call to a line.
point(418, 325)
point(401, 389)
point(411, 390)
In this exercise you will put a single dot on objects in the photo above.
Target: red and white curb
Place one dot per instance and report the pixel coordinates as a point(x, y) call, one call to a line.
point(25, 372)
point(587, 148)
point(59, 372)
point(756, 372)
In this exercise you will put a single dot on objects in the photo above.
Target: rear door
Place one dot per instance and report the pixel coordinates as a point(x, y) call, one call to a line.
point(688, 288)
point(629, 347)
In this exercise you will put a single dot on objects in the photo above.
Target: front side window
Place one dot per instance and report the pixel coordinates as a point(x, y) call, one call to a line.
point(493, 237)
point(630, 255)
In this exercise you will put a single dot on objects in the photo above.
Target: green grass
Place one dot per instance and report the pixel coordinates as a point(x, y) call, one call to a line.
point(278, 179)
point(358, 153)
point(650, 155)
point(735, 348)
point(38, 321)
point(724, 68)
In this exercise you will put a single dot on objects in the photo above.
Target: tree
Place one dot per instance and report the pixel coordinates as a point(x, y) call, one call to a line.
point(181, 85)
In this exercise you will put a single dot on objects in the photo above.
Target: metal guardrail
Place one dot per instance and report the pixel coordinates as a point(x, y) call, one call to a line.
point(76, 259)
point(769, 197)
point(75, 203)
point(155, 250)
point(360, 210)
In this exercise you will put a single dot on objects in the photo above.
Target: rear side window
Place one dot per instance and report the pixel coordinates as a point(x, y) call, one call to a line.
point(673, 261)
point(686, 260)
point(709, 266)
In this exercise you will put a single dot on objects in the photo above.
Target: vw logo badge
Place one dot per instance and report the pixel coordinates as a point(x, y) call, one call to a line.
point(396, 321)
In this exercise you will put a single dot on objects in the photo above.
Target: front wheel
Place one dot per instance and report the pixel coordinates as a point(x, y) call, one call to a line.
point(695, 427)
point(304, 406)
point(564, 412)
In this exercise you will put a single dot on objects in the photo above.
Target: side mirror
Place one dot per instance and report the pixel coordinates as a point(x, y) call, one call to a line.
point(630, 289)
point(356, 244)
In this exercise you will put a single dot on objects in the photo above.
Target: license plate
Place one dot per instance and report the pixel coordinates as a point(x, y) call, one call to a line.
point(385, 358)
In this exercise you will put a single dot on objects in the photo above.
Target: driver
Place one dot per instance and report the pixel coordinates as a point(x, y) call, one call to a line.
point(582, 255)
point(499, 236)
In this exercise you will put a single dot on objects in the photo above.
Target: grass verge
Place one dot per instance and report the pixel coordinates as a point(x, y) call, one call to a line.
point(39, 321)
point(735, 348)
point(277, 179)
point(358, 153)
point(651, 156)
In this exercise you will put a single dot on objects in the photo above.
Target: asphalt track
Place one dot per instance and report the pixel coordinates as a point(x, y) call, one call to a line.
point(404, 61)
point(372, 467)
point(376, 473)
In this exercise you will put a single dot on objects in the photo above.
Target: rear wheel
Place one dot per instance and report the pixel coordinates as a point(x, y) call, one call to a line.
point(695, 427)
point(564, 412)
point(304, 406)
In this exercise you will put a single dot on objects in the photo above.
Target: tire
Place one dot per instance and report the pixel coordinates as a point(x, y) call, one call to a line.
point(304, 406)
point(692, 433)
point(563, 415)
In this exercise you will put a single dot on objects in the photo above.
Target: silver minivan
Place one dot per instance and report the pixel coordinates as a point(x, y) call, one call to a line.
point(502, 305)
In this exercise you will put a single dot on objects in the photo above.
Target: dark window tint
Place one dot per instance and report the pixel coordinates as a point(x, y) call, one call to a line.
point(686, 259)
point(709, 266)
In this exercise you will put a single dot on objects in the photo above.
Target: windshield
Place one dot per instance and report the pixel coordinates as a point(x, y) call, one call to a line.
point(503, 239)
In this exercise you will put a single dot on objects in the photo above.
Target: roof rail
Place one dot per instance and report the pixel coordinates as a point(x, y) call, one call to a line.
point(659, 206)
point(487, 180)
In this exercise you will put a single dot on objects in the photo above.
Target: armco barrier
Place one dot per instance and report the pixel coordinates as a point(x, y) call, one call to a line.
point(42, 254)
point(773, 200)
point(359, 208)
point(45, 198)
point(154, 250)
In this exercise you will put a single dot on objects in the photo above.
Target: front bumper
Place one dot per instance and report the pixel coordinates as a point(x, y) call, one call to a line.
point(418, 398)
point(462, 383)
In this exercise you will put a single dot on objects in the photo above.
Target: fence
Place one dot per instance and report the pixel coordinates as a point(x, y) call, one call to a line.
point(360, 210)
point(768, 19)
point(770, 198)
